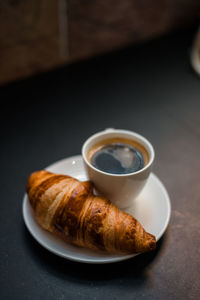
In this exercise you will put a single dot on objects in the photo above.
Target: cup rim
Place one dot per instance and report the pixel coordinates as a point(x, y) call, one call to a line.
point(121, 131)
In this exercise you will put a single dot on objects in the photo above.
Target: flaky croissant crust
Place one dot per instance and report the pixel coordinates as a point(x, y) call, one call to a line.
point(68, 208)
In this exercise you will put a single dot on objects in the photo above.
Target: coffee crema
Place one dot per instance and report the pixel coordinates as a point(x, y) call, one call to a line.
point(118, 156)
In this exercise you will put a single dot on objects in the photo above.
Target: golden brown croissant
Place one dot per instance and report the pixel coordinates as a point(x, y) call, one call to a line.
point(68, 208)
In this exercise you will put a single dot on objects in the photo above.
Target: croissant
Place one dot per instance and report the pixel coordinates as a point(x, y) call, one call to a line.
point(69, 209)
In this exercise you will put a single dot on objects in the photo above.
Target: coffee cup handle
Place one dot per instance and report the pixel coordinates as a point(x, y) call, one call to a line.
point(109, 129)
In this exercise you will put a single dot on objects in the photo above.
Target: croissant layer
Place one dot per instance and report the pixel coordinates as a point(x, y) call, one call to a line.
point(68, 208)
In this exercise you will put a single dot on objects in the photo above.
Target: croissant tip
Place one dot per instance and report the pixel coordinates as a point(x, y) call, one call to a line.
point(31, 178)
point(151, 243)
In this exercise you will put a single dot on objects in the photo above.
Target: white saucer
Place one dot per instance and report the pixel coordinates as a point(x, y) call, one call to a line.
point(152, 209)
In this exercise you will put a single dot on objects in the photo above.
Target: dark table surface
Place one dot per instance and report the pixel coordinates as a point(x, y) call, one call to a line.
point(150, 89)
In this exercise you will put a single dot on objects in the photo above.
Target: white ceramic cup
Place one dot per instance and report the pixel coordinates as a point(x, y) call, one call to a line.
point(121, 189)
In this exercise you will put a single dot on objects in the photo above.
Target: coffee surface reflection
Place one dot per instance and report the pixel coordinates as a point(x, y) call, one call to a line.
point(118, 156)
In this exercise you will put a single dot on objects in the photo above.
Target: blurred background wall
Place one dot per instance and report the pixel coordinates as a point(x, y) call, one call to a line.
point(38, 35)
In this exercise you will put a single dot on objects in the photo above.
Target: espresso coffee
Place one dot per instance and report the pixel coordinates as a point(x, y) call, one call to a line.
point(118, 156)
